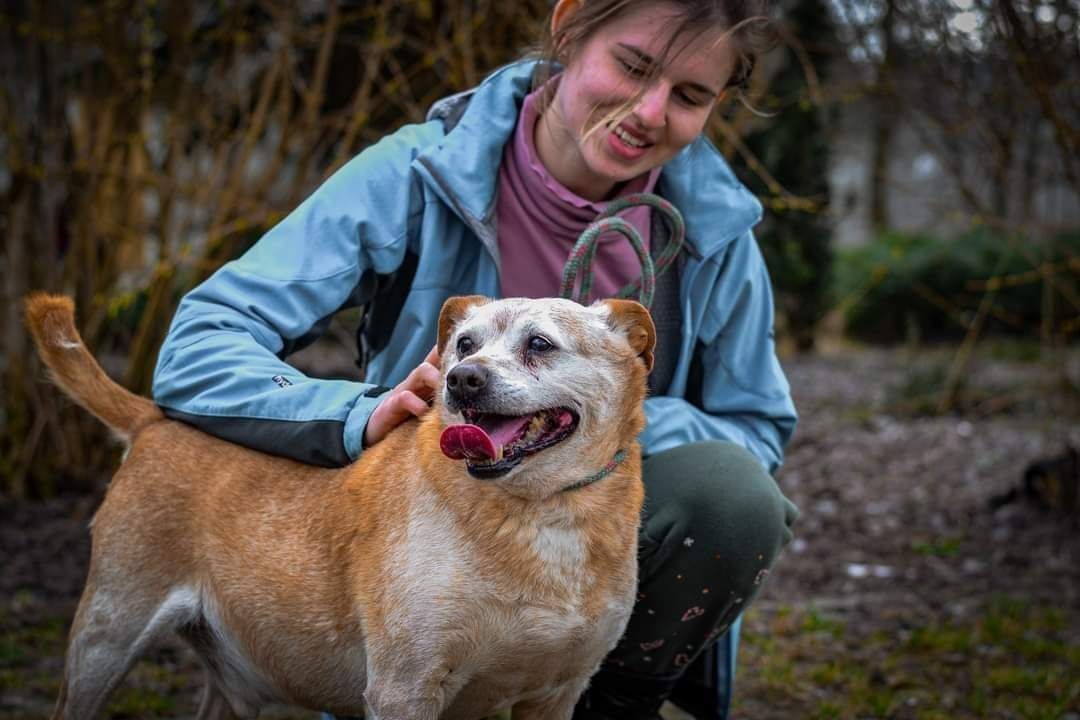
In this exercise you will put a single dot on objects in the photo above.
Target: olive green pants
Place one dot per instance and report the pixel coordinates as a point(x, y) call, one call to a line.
point(713, 524)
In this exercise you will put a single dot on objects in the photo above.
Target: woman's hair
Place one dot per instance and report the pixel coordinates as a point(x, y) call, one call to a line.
point(745, 22)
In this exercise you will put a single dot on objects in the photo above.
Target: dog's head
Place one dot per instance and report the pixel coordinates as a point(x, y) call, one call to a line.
point(541, 386)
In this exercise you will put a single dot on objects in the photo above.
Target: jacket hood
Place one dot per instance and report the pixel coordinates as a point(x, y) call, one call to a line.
point(463, 167)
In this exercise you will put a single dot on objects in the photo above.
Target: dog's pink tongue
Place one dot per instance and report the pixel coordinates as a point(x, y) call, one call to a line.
point(472, 442)
point(466, 442)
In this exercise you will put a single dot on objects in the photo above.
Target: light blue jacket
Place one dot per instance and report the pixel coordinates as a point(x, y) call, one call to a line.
point(425, 196)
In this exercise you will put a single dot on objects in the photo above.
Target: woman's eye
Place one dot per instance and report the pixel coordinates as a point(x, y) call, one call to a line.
point(465, 346)
point(692, 100)
point(632, 69)
point(540, 344)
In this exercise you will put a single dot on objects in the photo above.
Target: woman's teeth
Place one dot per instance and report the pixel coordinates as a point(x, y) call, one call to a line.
point(628, 138)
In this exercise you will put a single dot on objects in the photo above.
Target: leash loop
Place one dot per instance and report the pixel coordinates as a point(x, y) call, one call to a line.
point(579, 263)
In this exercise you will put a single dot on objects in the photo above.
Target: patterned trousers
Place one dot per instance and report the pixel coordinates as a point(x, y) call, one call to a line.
point(713, 524)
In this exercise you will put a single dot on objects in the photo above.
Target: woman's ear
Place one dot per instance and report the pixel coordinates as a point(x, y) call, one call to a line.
point(564, 9)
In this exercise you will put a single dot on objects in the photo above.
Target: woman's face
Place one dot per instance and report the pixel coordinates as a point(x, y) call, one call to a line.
point(607, 71)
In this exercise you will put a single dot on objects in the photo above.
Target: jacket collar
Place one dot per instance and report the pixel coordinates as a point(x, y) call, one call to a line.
point(463, 167)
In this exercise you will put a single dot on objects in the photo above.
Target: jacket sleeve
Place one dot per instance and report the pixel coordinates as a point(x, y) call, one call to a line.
point(220, 366)
point(743, 394)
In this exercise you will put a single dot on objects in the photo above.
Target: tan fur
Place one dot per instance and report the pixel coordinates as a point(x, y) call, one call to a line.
point(452, 311)
point(51, 319)
point(400, 585)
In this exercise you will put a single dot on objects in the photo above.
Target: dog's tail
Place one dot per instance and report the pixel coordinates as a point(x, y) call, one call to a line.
point(51, 319)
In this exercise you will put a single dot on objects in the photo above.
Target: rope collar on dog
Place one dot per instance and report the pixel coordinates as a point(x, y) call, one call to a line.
point(579, 263)
point(600, 474)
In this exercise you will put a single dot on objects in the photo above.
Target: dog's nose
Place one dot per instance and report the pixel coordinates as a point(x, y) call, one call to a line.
point(467, 382)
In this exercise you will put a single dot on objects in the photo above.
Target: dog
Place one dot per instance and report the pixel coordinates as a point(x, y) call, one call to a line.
point(480, 558)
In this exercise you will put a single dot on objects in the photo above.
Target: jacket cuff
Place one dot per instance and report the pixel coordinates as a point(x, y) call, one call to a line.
point(357, 420)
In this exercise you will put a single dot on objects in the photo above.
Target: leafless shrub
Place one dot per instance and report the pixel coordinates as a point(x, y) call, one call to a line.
point(142, 144)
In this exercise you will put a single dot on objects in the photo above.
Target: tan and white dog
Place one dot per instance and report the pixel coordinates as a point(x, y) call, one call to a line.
point(457, 569)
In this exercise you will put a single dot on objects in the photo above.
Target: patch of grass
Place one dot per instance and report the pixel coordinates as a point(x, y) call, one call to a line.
point(138, 702)
point(938, 640)
point(1012, 350)
point(11, 680)
point(980, 702)
point(881, 702)
point(1011, 660)
point(817, 622)
point(862, 415)
point(943, 548)
point(30, 652)
point(12, 651)
point(828, 711)
point(30, 670)
point(920, 390)
point(19, 645)
point(778, 673)
point(829, 673)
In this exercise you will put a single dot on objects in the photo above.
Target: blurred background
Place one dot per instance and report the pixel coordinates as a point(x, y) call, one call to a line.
point(919, 161)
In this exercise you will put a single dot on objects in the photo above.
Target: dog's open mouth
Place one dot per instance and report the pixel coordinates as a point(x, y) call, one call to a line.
point(492, 445)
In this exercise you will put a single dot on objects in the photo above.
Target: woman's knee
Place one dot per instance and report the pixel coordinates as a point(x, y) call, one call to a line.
point(723, 497)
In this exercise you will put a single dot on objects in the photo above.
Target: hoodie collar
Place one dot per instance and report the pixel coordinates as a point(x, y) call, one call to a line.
point(463, 167)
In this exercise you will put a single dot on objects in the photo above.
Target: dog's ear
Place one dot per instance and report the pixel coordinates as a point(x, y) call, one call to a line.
point(633, 320)
point(452, 311)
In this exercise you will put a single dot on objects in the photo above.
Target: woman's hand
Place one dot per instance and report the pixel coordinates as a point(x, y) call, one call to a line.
point(410, 398)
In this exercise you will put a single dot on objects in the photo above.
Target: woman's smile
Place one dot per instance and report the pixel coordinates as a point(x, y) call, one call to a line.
point(615, 116)
point(627, 144)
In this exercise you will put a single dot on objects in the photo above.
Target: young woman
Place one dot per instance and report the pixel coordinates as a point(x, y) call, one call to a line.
point(487, 197)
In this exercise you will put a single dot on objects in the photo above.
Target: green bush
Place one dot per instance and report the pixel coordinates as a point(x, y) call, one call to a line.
point(917, 287)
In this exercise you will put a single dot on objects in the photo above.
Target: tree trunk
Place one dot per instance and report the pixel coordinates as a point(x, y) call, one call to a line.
point(885, 124)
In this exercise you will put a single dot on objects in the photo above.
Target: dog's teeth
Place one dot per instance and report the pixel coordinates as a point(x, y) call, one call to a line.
point(536, 428)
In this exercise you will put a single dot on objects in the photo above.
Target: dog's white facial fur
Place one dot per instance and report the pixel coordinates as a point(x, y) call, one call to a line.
point(589, 361)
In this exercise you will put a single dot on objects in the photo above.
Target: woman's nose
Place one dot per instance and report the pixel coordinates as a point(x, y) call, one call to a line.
point(652, 108)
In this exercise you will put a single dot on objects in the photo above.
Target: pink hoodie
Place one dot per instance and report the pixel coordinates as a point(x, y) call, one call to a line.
point(539, 220)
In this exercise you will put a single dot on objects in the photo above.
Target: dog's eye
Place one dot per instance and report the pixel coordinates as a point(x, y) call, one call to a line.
point(538, 343)
point(465, 346)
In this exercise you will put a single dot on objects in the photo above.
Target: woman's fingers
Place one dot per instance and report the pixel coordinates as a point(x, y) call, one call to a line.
point(423, 380)
point(411, 404)
point(433, 356)
point(396, 407)
point(410, 398)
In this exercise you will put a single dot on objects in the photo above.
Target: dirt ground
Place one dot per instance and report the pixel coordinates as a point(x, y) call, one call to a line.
point(903, 595)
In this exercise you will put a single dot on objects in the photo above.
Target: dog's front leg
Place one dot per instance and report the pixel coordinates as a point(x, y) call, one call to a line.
point(559, 705)
point(393, 701)
point(402, 711)
point(409, 691)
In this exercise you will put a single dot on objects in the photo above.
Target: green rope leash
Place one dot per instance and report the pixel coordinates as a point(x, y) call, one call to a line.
point(579, 263)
